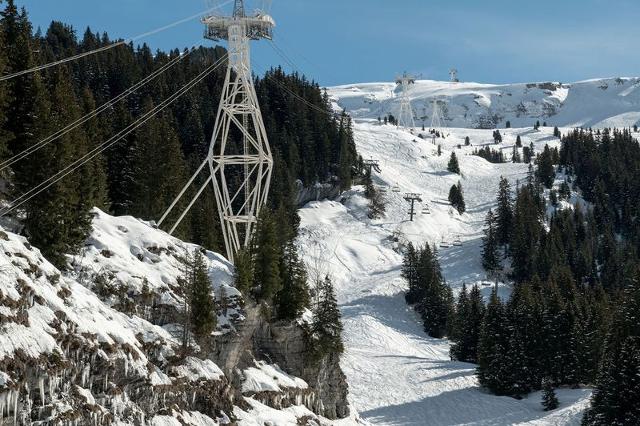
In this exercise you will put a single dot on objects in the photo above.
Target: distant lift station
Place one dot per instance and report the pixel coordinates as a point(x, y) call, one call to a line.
point(405, 116)
point(240, 162)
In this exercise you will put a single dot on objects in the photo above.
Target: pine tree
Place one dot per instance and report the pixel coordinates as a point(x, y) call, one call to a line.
point(456, 198)
point(294, 296)
point(546, 172)
point(376, 202)
point(410, 274)
point(453, 166)
point(346, 153)
point(57, 220)
point(490, 255)
point(327, 324)
point(4, 99)
point(203, 313)
point(518, 142)
point(504, 212)
point(515, 156)
point(467, 141)
point(549, 399)
point(469, 314)
point(156, 186)
point(266, 258)
point(492, 347)
point(243, 276)
point(615, 400)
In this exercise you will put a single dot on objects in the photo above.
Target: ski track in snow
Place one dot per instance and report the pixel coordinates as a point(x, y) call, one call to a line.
point(396, 373)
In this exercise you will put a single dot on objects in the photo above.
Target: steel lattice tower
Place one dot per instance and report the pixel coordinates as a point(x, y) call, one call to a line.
point(436, 119)
point(405, 117)
point(239, 159)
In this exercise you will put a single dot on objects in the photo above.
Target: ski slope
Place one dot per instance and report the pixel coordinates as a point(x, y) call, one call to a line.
point(609, 102)
point(397, 374)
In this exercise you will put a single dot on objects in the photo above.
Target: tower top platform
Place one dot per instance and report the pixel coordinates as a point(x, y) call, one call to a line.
point(257, 27)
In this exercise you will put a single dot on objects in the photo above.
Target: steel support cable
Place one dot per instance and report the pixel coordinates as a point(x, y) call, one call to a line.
point(110, 46)
point(46, 141)
point(107, 144)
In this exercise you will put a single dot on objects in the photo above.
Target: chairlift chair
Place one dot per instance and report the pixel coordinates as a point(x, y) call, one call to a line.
point(457, 242)
point(444, 244)
point(426, 210)
point(396, 188)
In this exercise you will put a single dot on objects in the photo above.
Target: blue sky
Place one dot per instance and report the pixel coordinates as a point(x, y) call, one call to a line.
point(346, 41)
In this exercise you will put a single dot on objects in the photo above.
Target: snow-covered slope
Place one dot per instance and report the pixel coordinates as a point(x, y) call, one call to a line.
point(593, 103)
point(398, 375)
point(101, 343)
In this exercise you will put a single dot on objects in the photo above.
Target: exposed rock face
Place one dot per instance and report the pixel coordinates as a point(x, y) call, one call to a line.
point(286, 345)
point(319, 191)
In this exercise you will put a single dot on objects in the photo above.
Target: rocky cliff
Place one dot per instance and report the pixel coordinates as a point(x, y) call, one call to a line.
point(101, 343)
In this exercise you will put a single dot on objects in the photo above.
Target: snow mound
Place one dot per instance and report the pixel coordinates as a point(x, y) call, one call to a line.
point(136, 268)
point(269, 378)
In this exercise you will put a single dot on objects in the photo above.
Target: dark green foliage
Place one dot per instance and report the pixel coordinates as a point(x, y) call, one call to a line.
point(469, 315)
point(492, 347)
point(456, 198)
point(497, 137)
point(528, 153)
point(508, 124)
point(453, 166)
point(467, 141)
point(615, 400)
point(490, 254)
point(549, 398)
point(327, 325)
point(294, 296)
point(439, 150)
point(203, 313)
point(4, 98)
point(515, 156)
point(491, 155)
point(518, 142)
point(504, 212)
point(142, 173)
point(266, 253)
point(243, 275)
point(428, 293)
point(376, 201)
point(545, 172)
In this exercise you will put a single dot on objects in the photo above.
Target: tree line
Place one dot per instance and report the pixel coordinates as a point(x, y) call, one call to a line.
point(141, 174)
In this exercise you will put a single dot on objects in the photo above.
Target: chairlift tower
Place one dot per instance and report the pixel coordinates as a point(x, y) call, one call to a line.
point(436, 119)
point(405, 118)
point(453, 73)
point(372, 164)
point(412, 198)
point(239, 161)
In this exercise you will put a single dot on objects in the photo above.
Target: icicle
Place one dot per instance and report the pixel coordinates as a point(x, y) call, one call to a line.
point(106, 380)
point(15, 406)
point(193, 398)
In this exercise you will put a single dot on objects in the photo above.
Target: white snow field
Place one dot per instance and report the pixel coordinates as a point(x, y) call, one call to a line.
point(396, 373)
point(594, 103)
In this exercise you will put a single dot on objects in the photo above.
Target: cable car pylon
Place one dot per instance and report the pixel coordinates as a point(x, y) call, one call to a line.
point(239, 201)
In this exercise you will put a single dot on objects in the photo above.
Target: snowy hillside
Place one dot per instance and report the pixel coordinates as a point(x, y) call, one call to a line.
point(613, 102)
point(101, 343)
point(398, 375)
